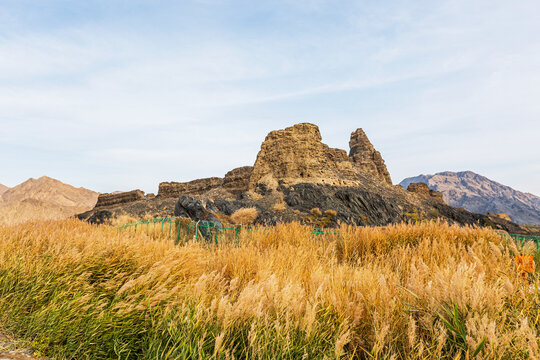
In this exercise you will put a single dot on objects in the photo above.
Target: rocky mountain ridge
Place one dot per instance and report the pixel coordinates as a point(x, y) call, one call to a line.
point(294, 173)
point(479, 194)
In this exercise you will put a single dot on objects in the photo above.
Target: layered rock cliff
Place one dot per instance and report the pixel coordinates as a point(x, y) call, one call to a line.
point(236, 181)
point(116, 199)
point(195, 187)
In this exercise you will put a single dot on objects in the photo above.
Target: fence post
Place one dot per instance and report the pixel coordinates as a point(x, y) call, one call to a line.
point(197, 231)
point(178, 231)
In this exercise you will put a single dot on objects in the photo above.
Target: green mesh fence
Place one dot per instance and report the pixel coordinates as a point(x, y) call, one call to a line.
point(212, 232)
point(522, 239)
point(206, 231)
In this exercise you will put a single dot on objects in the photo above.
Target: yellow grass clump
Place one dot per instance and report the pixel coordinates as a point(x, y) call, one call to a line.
point(245, 216)
point(424, 291)
point(279, 206)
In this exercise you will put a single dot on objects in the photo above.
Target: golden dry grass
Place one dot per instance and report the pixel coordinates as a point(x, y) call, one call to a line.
point(424, 291)
point(279, 206)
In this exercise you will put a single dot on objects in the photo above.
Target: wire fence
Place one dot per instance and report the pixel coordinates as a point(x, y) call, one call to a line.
point(210, 232)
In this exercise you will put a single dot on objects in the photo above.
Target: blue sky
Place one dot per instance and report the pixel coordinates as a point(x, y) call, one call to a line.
point(117, 95)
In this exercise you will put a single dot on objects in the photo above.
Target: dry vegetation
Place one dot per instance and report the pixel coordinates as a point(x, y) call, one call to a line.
point(424, 291)
point(245, 216)
point(280, 206)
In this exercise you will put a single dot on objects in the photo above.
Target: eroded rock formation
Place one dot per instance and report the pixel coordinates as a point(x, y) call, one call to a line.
point(110, 200)
point(296, 154)
point(195, 187)
point(236, 181)
point(364, 155)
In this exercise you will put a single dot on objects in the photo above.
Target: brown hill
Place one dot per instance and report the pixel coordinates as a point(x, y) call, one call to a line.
point(45, 199)
point(3, 189)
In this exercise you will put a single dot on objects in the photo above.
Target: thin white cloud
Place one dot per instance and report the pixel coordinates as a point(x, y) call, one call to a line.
point(412, 75)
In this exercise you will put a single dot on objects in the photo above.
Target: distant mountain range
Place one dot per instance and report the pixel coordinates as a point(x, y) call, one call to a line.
point(479, 194)
point(45, 199)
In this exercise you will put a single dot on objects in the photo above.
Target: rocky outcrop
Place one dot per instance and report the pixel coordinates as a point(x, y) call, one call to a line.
point(236, 181)
point(195, 187)
point(295, 170)
point(111, 200)
point(296, 154)
point(364, 155)
point(423, 190)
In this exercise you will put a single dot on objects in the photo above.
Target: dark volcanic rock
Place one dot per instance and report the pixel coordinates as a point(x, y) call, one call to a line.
point(100, 217)
point(353, 205)
point(193, 208)
point(228, 207)
point(188, 206)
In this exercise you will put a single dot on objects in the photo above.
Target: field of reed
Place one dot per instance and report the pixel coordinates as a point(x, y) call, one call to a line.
point(423, 291)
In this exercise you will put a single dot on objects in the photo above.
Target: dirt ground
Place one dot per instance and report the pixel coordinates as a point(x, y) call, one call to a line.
point(11, 349)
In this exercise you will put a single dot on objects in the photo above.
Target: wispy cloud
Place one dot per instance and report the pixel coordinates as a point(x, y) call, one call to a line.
point(193, 87)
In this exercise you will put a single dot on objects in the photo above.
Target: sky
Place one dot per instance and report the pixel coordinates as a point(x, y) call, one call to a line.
point(119, 95)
